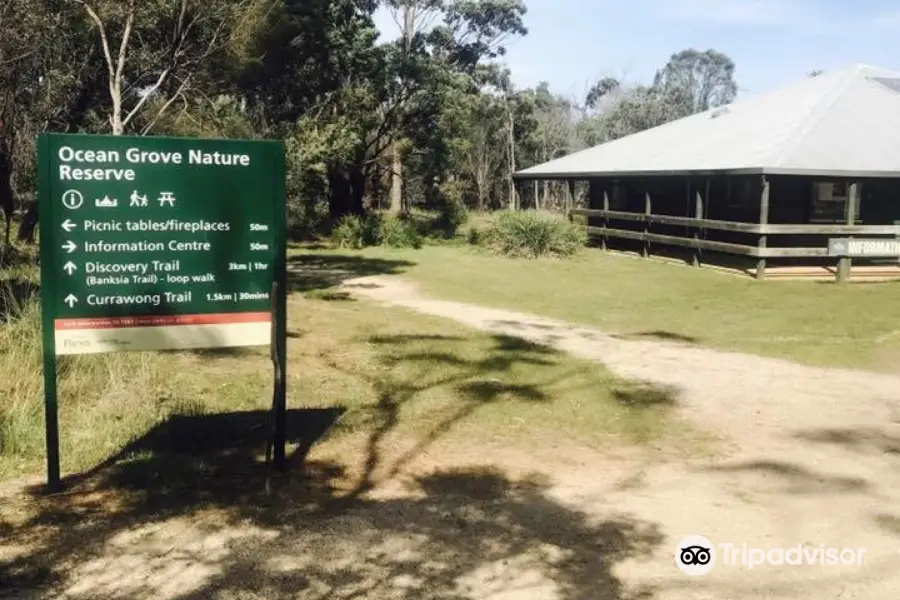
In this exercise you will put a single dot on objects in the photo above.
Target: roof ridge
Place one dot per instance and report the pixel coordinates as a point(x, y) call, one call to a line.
point(816, 115)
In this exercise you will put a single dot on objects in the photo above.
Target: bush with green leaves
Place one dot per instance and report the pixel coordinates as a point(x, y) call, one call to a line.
point(348, 232)
point(530, 234)
point(353, 231)
point(397, 232)
point(452, 216)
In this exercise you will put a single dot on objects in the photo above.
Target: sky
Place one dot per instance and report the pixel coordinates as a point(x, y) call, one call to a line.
point(572, 43)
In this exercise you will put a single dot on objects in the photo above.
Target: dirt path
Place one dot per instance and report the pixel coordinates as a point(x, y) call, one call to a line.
point(815, 457)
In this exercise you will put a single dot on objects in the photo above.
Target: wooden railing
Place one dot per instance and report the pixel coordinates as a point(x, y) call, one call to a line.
point(759, 250)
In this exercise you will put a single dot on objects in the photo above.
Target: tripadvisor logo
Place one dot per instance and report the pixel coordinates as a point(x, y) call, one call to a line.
point(696, 555)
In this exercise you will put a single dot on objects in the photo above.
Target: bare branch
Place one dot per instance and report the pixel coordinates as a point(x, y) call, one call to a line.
point(143, 100)
point(165, 107)
point(123, 45)
point(17, 58)
point(103, 39)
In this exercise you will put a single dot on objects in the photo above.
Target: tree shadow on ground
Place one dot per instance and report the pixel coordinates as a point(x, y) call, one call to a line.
point(185, 463)
point(187, 512)
point(309, 272)
point(190, 510)
point(503, 370)
point(478, 379)
point(794, 479)
point(862, 440)
point(555, 332)
point(665, 336)
point(890, 523)
point(645, 394)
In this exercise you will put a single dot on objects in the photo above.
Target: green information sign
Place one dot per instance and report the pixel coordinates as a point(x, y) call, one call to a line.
point(151, 243)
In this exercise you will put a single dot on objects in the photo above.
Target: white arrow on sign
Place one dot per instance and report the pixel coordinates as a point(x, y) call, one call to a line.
point(68, 225)
point(69, 247)
point(71, 300)
point(70, 267)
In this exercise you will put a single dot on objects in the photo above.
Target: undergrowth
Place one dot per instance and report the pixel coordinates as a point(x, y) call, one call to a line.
point(529, 234)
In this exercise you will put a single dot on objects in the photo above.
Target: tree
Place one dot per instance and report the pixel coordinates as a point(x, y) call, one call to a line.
point(690, 82)
point(695, 81)
point(46, 80)
point(152, 47)
point(484, 145)
point(412, 76)
point(430, 114)
point(601, 90)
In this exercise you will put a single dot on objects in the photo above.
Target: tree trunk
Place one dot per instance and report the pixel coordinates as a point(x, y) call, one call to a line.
point(7, 201)
point(396, 206)
point(512, 159)
point(29, 224)
point(115, 119)
point(347, 184)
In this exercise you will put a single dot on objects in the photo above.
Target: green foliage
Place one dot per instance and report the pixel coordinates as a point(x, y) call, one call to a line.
point(452, 216)
point(690, 82)
point(530, 234)
point(316, 75)
point(349, 232)
point(376, 229)
point(397, 232)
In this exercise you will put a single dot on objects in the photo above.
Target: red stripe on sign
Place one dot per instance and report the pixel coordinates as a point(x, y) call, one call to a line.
point(163, 321)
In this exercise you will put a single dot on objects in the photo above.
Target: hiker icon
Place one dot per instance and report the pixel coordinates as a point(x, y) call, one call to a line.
point(138, 200)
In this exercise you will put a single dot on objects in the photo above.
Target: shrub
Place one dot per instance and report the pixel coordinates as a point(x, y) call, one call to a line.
point(348, 232)
point(530, 234)
point(397, 232)
point(307, 220)
point(352, 231)
point(453, 215)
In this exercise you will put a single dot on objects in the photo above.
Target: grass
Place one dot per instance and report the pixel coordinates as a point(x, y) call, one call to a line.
point(400, 376)
point(856, 326)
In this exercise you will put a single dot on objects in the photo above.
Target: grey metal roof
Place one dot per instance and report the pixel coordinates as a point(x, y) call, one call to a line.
point(842, 122)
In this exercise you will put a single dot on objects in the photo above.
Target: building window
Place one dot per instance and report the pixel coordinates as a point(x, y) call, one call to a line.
point(830, 201)
point(742, 194)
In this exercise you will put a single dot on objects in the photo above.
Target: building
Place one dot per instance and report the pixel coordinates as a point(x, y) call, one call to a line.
point(768, 180)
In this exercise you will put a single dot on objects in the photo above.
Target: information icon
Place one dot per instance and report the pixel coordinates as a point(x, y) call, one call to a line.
point(72, 199)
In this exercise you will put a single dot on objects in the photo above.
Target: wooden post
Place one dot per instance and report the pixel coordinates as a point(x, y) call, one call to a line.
point(698, 214)
point(763, 220)
point(844, 263)
point(645, 251)
point(603, 243)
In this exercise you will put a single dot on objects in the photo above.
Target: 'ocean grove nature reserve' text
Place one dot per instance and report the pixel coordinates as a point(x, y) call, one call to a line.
point(135, 156)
